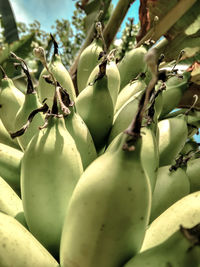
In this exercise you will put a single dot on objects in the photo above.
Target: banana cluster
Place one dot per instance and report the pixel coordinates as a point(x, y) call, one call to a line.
point(106, 178)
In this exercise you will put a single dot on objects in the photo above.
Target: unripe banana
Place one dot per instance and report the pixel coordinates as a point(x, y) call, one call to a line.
point(193, 172)
point(173, 134)
point(94, 234)
point(113, 75)
point(50, 169)
point(171, 185)
point(31, 103)
point(87, 62)
point(128, 91)
point(131, 65)
point(10, 165)
point(124, 116)
point(19, 248)
point(82, 137)
point(46, 90)
point(175, 88)
point(11, 99)
point(95, 106)
point(10, 203)
point(6, 139)
point(185, 211)
point(181, 249)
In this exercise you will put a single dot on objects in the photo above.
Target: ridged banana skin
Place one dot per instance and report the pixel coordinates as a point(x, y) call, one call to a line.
point(11, 99)
point(87, 62)
point(169, 188)
point(193, 172)
point(175, 251)
point(131, 65)
point(113, 75)
point(94, 104)
point(124, 116)
point(10, 165)
point(82, 137)
point(46, 90)
point(185, 211)
point(50, 169)
point(94, 232)
point(31, 103)
point(173, 134)
point(10, 203)
point(19, 248)
point(128, 91)
point(6, 139)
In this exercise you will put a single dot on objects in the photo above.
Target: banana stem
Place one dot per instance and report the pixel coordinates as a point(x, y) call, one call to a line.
point(3, 72)
point(24, 66)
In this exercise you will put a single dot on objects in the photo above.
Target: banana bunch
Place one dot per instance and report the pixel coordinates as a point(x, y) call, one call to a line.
point(106, 178)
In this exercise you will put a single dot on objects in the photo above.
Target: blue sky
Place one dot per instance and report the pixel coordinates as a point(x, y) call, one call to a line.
point(47, 11)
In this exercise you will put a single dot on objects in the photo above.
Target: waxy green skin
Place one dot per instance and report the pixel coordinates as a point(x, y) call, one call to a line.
point(173, 134)
point(113, 75)
point(6, 139)
point(10, 165)
point(175, 251)
point(175, 88)
point(128, 91)
point(82, 137)
point(94, 234)
point(193, 172)
point(31, 103)
point(94, 104)
point(131, 65)
point(170, 187)
point(87, 62)
point(183, 212)
point(20, 248)
point(50, 169)
point(124, 116)
point(46, 90)
point(10, 203)
point(11, 99)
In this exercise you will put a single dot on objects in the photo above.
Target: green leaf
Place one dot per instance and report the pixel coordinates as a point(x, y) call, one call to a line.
point(8, 22)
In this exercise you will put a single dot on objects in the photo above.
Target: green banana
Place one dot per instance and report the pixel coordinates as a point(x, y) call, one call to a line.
point(94, 104)
point(171, 185)
point(128, 91)
point(6, 139)
point(175, 88)
point(82, 137)
point(10, 165)
point(181, 249)
point(94, 234)
point(19, 248)
point(31, 103)
point(173, 134)
point(11, 99)
point(131, 65)
point(193, 170)
point(113, 75)
point(50, 169)
point(10, 203)
point(124, 116)
point(87, 62)
point(60, 73)
point(185, 211)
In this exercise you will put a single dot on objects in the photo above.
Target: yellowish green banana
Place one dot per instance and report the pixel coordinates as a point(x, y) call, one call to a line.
point(50, 169)
point(87, 62)
point(19, 248)
point(94, 234)
point(185, 211)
